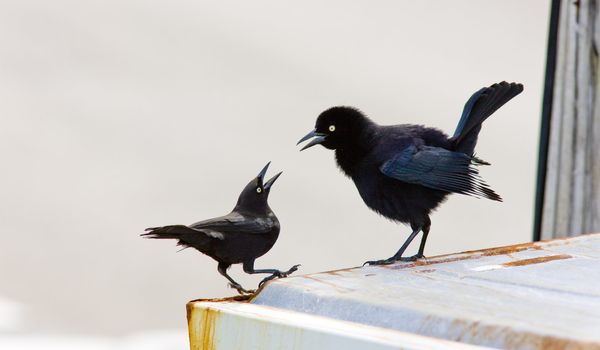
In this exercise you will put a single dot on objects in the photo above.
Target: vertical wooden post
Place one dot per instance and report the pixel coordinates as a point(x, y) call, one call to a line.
point(571, 199)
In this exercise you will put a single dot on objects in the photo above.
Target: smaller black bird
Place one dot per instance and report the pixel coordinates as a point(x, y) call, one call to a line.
point(405, 171)
point(243, 235)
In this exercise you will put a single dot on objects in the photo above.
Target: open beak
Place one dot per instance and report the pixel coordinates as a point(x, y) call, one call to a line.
point(263, 172)
point(318, 139)
point(269, 183)
point(261, 177)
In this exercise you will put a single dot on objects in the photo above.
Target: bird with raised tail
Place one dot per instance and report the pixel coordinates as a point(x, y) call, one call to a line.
point(405, 171)
point(240, 237)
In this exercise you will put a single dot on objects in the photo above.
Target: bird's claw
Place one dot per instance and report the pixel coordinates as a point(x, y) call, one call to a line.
point(393, 259)
point(387, 261)
point(241, 289)
point(279, 274)
point(282, 274)
point(292, 270)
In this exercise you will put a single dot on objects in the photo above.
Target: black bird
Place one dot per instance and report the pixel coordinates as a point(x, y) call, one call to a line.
point(403, 172)
point(243, 235)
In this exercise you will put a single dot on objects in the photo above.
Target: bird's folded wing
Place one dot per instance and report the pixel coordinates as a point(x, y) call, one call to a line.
point(439, 169)
point(235, 222)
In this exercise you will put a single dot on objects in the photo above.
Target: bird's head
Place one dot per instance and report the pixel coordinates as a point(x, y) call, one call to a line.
point(336, 128)
point(255, 194)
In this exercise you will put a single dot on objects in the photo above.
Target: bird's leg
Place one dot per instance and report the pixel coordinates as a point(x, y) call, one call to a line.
point(398, 255)
point(423, 241)
point(233, 284)
point(249, 268)
point(419, 254)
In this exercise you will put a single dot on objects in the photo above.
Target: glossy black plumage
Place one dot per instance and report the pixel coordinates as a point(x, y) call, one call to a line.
point(243, 235)
point(405, 171)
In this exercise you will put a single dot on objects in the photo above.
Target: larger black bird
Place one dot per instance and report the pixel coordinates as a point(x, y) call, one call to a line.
point(405, 171)
point(243, 235)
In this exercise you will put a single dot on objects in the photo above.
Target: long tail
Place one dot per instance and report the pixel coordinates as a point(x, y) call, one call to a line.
point(185, 236)
point(478, 108)
point(166, 232)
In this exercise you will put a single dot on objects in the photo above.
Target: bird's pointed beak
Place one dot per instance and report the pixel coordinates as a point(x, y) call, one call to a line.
point(318, 139)
point(269, 183)
point(263, 172)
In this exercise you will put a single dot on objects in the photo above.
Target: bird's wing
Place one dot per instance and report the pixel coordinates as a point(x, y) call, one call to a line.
point(439, 169)
point(236, 222)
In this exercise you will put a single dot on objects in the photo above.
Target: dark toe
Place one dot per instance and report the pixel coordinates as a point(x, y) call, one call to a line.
point(292, 269)
point(266, 279)
point(412, 258)
point(241, 289)
point(380, 262)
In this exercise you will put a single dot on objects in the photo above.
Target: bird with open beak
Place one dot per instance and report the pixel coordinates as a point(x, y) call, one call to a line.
point(240, 237)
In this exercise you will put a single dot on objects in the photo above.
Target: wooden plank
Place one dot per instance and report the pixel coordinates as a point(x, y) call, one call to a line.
point(572, 190)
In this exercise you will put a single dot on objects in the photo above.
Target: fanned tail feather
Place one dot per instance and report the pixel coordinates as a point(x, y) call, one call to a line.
point(478, 108)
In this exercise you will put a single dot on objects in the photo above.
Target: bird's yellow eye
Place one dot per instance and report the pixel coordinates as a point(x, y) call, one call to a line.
point(332, 128)
point(258, 190)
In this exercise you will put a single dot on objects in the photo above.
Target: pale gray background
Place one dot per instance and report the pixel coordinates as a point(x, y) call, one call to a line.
point(119, 115)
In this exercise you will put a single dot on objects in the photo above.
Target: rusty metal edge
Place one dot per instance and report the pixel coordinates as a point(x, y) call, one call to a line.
point(205, 322)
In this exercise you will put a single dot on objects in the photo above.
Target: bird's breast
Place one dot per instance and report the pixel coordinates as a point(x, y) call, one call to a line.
point(389, 197)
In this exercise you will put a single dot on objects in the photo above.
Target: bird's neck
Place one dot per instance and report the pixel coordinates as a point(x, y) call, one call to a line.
point(256, 209)
point(350, 155)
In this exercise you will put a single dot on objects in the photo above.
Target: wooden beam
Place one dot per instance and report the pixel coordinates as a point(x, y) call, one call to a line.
point(571, 204)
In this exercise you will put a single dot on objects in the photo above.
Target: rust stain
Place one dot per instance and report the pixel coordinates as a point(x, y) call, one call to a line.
point(511, 249)
point(538, 260)
point(333, 273)
point(348, 269)
point(478, 333)
point(202, 336)
point(506, 249)
point(476, 254)
point(430, 261)
point(189, 308)
point(245, 298)
point(207, 329)
point(188, 311)
point(201, 327)
point(335, 286)
point(466, 255)
point(437, 260)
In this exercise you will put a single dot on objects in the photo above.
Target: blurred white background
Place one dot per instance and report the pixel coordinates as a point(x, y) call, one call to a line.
point(121, 115)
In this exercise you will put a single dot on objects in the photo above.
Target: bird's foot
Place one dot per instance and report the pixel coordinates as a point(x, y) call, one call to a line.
point(241, 289)
point(412, 258)
point(387, 261)
point(393, 259)
point(279, 274)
